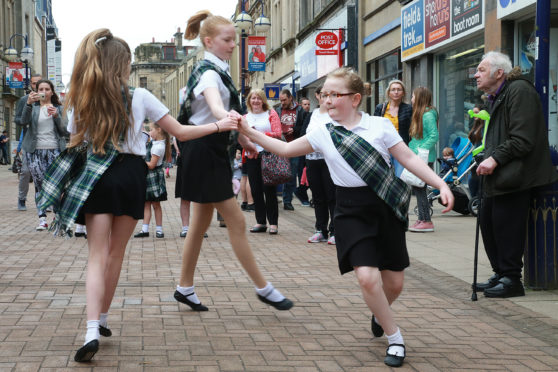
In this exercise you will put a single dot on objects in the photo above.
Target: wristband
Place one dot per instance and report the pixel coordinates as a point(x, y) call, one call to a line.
point(217, 125)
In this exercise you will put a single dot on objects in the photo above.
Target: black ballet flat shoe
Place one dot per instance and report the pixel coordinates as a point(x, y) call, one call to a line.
point(184, 299)
point(377, 329)
point(285, 304)
point(393, 360)
point(87, 351)
point(258, 229)
point(104, 331)
point(80, 234)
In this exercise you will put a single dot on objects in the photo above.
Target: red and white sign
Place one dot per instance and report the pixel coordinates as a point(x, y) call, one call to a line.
point(327, 43)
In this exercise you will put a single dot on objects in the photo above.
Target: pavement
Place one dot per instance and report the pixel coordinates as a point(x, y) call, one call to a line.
point(42, 304)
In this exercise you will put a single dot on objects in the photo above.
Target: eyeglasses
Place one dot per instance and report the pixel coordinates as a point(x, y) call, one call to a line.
point(325, 96)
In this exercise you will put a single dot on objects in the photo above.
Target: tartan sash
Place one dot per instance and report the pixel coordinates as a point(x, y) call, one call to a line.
point(201, 67)
point(369, 164)
point(69, 181)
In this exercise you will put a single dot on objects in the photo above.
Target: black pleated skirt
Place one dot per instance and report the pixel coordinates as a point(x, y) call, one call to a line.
point(204, 173)
point(120, 190)
point(367, 232)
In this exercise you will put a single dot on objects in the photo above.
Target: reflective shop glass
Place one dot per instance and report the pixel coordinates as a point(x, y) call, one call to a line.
point(457, 91)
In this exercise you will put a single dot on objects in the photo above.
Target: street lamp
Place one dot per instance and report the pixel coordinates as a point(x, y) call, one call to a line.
point(243, 23)
point(25, 55)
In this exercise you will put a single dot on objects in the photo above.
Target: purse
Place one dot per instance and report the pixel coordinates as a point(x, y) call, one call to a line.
point(276, 169)
point(16, 167)
point(408, 177)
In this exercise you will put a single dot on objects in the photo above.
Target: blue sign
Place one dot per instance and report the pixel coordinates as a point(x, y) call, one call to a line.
point(256, 66)
point(272, 91)
point(412, 29)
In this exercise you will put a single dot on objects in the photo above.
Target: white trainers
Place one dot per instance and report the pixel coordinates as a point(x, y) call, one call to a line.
point(331, 240)
point(42, 224)
point(318, 237)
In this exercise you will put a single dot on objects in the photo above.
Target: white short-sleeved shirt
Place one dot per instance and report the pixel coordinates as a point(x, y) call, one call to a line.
point(377, 131)
point(259, 122)
point(317, 119)
point(201, 113)
point(158, 148)
point(144, 105)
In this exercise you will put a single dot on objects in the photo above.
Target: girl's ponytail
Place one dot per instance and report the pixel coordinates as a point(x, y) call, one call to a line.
point(194, 24)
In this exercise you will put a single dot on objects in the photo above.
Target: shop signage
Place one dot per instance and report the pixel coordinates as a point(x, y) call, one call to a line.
point(272, 91)
point(412, 29)
point(256, 53)
point(327, 43)
point(507, 7)
point(308, 68)
point(428, 24)
point(436, 21)
point(16, 75)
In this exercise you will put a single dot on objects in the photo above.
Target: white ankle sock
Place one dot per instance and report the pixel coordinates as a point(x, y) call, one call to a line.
point(103, 320)
point(376, 321)
point(189, 292)
point(270, 293)
point(145, 228)
point(396, 338)
point(92, 331)
point(80, 228)
point(159, 228)
point(185, 228)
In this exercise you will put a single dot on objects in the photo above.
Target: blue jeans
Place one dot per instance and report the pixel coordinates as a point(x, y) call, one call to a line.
point(290, 186)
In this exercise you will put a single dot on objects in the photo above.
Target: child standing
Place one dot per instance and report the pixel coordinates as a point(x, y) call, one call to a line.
point(237, 172)
point(157, 151)
point(372, 203)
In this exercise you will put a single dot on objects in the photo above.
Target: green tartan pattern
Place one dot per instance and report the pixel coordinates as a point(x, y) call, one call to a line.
point(369, 164)
point(201, 67)
point(69, 181)
point(156, 184)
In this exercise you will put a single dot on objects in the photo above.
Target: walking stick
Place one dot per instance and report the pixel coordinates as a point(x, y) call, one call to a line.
point(478, 155)
point(476, 259)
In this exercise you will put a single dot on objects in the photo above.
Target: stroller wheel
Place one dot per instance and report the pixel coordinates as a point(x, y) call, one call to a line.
point(417, 213)
point(474, 205)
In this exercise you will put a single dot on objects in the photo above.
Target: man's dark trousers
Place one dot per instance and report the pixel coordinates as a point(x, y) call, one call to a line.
point(503, 223)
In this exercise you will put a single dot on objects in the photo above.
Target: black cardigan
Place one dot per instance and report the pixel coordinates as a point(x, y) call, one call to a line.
point(404, 117)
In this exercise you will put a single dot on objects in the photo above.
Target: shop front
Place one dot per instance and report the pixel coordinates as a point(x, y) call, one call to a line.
point(452, 32)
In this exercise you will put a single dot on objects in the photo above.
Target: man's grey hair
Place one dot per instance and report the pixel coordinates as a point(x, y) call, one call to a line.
point(498, 61)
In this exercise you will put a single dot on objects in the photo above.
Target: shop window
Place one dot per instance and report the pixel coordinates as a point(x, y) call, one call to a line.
point(527, 49)
point(379, 73)
point(457, 91)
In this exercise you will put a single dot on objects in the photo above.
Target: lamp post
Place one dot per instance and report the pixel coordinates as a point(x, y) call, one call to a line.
point(25, 55)
point(243, 23)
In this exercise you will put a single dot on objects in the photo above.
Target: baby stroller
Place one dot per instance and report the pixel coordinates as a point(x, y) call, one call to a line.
point(456, 178)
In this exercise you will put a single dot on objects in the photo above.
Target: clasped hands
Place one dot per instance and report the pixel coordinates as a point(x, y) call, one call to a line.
point(235, 121)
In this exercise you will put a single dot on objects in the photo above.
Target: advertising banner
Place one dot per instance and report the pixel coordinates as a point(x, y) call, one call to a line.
point(507, 7)
point(436, 21)
point(256, 53)
point(428, 24)
point(412, 29)
point(16, 75)
point(467, 16)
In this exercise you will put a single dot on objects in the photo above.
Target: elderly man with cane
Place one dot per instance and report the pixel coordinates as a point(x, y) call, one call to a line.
point(516, 159)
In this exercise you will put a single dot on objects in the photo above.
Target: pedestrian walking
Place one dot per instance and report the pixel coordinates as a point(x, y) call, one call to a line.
point(105, 187)
point(372, 203)
point(319, 179)
point(292, 117)
point(24, 174)
point(45, 136)
point(4, 156)
point(517, 159)
point(263, 119)
point(424, 136)
point(158, 149)
point(210, 94)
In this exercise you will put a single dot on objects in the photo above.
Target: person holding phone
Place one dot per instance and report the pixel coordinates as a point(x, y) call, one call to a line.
point(45, 137)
